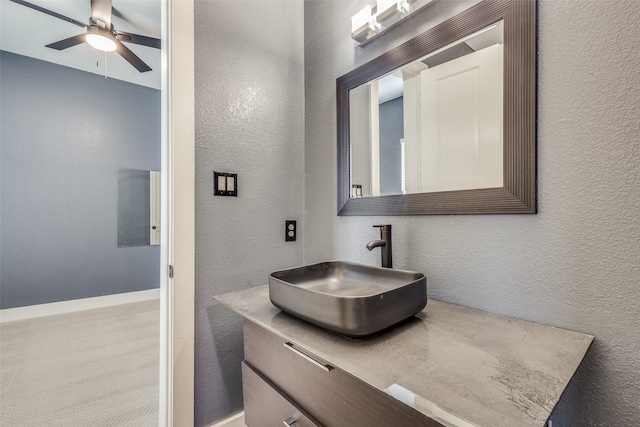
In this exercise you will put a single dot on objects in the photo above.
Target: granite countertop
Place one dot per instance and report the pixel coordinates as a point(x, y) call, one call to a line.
point(459, 366)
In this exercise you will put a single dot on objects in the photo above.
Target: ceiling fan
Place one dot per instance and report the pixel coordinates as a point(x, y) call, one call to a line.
point(100, 33)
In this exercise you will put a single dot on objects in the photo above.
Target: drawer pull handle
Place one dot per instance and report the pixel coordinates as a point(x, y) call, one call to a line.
point(289, 421)
point(326, 368)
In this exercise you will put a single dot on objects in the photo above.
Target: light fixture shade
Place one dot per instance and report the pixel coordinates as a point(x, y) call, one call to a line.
point(385, 9)
point(360, 20)
point(101, 40)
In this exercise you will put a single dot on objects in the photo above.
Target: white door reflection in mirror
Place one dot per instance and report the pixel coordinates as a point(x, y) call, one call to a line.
point(461, 132)
point(433, 125)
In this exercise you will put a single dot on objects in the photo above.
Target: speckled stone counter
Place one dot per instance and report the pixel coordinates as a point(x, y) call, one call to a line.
point(459, 366)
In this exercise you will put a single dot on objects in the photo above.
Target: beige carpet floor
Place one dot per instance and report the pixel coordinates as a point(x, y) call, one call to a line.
point(90, 368)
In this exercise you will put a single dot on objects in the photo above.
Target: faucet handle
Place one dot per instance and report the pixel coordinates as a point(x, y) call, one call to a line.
point(382, 227)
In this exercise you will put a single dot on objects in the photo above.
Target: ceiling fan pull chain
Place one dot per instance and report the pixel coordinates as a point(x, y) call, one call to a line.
point(97, 59)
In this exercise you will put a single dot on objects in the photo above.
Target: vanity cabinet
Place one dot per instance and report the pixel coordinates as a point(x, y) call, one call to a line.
point(448, 365)
point(285, 383)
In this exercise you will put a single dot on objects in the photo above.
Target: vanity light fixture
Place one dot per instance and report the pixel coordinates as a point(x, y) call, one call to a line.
point(361, 24)
point(386, 9)
point(373, 21)
point(101, 39)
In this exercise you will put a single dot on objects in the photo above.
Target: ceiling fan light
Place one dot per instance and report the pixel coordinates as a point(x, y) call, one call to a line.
point(100, 42)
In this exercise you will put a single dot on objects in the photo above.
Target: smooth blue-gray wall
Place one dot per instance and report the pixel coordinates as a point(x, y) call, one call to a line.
point(249, 121)
point(63, 135)
point(575, 264)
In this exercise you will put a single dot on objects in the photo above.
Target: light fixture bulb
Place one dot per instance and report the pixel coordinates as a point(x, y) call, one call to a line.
point(100, 42)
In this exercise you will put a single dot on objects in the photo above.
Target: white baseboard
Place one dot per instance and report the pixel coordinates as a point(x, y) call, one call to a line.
point(236, 420)
point(50, 309)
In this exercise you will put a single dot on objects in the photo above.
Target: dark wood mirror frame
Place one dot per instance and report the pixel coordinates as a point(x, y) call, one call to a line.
point(518, 195)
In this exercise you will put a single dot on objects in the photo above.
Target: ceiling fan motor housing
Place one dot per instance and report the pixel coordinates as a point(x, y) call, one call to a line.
point(100, 24)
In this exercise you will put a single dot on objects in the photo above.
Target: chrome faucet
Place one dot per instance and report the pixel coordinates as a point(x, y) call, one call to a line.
point(385, 245)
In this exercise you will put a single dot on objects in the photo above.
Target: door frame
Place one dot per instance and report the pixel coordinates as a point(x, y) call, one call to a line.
point(177, 293)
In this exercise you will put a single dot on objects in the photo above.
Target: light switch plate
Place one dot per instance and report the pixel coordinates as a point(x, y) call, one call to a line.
point(225, 184)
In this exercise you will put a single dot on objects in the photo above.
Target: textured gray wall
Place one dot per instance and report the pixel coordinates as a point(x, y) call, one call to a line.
point(576, 263)
point(250, 121)
point(63, 135)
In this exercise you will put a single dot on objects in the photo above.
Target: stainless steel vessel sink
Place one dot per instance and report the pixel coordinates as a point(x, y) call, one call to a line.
point(351, 299)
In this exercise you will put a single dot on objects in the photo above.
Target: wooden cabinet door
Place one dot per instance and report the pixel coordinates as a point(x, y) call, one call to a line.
point(264, 406)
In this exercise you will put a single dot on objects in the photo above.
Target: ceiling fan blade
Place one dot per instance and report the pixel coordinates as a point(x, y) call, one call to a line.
point(49, 12)
point(101, 13)
point(138, 39)
point(71, 41)
point(132, 58)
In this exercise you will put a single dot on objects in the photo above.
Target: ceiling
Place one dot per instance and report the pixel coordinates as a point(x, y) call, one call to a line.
point(391, 86)
point(26, 32)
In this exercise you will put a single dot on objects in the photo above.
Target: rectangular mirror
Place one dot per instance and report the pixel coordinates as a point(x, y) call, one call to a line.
point(138, 207)
point(445, 123)
point(434, 124)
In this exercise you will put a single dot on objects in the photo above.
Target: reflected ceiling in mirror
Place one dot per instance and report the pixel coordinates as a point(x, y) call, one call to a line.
point(444, 123)
point(434, 124)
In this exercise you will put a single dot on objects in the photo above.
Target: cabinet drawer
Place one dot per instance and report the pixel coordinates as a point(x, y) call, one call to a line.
point(264, 406)
point(329, 395)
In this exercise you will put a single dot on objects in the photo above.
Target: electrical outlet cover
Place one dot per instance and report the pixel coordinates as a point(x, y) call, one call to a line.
point(290, 231)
